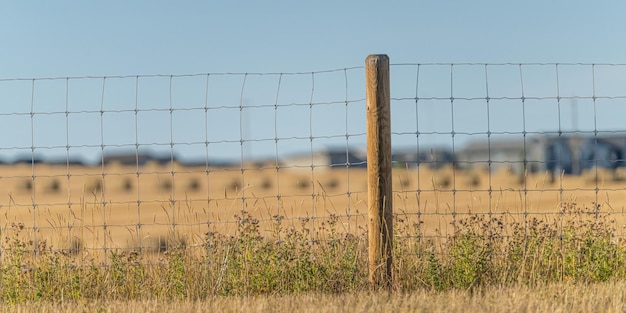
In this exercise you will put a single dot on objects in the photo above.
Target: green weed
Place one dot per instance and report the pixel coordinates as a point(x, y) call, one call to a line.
point(485, 250)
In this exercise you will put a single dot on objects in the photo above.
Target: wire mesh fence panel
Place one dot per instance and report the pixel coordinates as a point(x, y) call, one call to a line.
point(144, 162)
point(509, 142)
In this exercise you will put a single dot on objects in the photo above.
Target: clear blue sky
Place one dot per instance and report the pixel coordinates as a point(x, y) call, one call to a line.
point(88, 38)
point(76, 38)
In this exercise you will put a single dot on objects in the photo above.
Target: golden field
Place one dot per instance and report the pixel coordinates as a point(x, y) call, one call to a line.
point(561, 259)
point(117, 206)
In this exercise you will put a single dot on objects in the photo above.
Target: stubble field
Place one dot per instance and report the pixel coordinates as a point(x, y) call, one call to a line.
point(189, 239)
point(117, 206)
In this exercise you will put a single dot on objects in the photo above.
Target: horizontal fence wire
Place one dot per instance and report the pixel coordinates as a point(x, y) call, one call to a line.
point(512, 143)
point(143, 162)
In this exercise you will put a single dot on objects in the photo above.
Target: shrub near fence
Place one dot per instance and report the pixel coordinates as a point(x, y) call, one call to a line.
point(265, 173)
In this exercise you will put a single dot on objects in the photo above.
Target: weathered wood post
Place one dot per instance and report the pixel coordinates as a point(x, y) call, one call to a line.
point(379, 194)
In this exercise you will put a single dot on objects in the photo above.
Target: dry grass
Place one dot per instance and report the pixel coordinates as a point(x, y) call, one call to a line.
point(562, 297)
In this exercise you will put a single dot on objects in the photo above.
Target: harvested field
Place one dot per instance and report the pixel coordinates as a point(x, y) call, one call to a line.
point(156, 205)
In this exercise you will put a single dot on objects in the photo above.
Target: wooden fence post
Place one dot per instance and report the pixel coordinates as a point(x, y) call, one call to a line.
point(379, 194)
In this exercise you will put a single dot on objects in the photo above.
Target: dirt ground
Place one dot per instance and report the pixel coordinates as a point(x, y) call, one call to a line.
point(124, 206)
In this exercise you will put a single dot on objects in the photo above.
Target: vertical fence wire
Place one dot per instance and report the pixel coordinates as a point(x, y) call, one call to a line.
point(268, 157)
point(348, 159)
point(32, 155)
point(595, 137)
point(171, 179)
point(312, 154)
point(102, 184)
point(207, 170)
point(452, 136)
point(242, 129)
point(279, 211)
point(524, 202)
point(137, 174)
point(488, 113)
point(418, 152)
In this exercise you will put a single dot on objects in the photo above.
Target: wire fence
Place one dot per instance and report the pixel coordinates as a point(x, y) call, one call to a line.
point(146, 161)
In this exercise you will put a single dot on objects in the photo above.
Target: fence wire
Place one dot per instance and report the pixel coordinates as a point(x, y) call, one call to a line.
point(147, 161)
point(510, 141)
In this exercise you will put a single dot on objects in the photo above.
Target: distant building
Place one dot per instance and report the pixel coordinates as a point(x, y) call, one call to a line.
point(567, 154)
point(494, 154)
point(572, 154)
point(431, 157)
point(136, 158)
point(328, 158)
point(65, 161)
point(604, 152)
point(28, 159)
point(196, 162)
